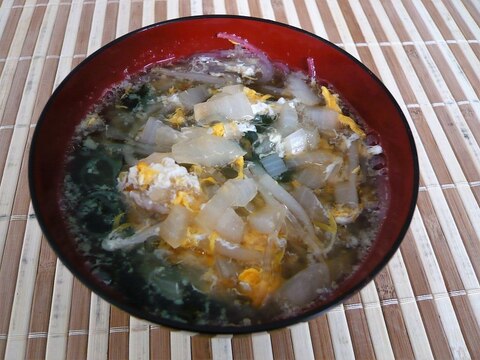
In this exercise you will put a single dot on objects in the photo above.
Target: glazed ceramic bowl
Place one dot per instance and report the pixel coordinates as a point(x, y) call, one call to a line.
point(86, 84)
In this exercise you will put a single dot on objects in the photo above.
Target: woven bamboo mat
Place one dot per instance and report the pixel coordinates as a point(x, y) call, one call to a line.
point(426, 302)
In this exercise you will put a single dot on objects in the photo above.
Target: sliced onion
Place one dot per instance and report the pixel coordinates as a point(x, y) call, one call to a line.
point(266, 183)
point(332, 171)
point(174, 227)
point(346, 192)
point(313, 207)
point(128, 155)
point(193, 76)
point(149, 131)
point(192, 132)
point(322, 157)
point(304, 287)
point(232, 89)
point(374, 150)
point(238, 192)
point(287, 121)
point(269, 219)
point(266, 66)
point(212, 211)
point(300, 141)
point(156, 157)
point(207, 150)
point(115, 240)
point(299, 88)
point(353, 156)
point(165, 137)
point(235, 192)
point(237, 252)
point(193, 96)
point(313, 139)
point(227, 268)
point(228, 107)
point(230, 226)
point(312, 176)
point(295, 143)
point(321, 117)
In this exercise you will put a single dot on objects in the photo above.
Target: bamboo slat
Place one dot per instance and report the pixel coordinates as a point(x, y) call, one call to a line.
point(262, 346)
point(139, 341)
point(424, 304)
point(222, 348)
point(302, 342)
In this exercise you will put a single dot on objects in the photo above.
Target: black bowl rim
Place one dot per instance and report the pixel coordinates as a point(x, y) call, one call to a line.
point(215, 329)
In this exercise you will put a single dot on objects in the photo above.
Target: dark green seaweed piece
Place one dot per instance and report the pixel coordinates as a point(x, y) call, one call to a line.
point(262, 122)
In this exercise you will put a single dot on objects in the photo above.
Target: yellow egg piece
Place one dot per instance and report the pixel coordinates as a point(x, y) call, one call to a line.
point(218, 129)
point(348, 121)
point(146, 175)
point(238, 165)
point(331, 227)
point(250, 276)
point(212, 238)
point(178, 118)
point(330, 100)
point(254, 96)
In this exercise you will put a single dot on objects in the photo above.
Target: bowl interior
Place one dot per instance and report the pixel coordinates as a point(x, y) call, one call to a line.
point(130, 54)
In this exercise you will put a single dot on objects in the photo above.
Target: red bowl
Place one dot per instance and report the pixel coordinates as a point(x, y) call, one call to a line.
point(87, 83)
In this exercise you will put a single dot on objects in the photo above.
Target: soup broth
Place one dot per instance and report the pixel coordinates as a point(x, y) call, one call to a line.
point(224, 189)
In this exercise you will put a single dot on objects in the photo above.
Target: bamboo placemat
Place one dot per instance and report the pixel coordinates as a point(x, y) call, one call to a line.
point(426, 302)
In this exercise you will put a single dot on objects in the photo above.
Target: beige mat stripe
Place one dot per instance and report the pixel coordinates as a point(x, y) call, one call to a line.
point(469, 17)
point(313, 12)
point(10, 240)
point(222, 347)
point(382, 66)
point(37, 334)
point(340, 334)
point(301, 340)
point(447, 26)
point(466, 129)
point(27, 296)
point(423, 159)
point(457, 80)
point(17, 144)
point(20, 313)
point(426, 302)
point(448, 225)
point(462, 259)
point(14, 53)
point(358, 326)
point(5, 10)
point(262, 346)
